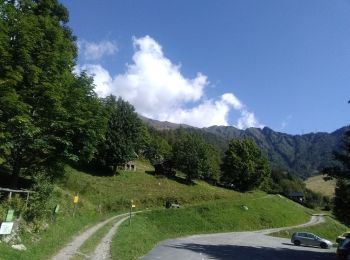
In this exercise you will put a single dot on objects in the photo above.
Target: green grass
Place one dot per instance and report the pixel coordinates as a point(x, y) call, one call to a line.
point(89, 246)
point(45, 243)
point(318, 184)
point(147, 229)
point(146, 190)
point(114, 194)
point(329, 230)
point(52, 240)
point(206, 209)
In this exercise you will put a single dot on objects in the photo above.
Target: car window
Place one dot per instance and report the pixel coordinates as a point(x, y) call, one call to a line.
point(346, 244)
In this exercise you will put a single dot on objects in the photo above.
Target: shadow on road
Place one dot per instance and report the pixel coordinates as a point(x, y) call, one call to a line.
point(230, 252)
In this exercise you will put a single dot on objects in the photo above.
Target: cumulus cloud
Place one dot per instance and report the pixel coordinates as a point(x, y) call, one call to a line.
point(97, 50)
point(157, 89)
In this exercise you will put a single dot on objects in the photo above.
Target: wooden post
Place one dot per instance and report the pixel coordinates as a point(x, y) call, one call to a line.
point(130, 216)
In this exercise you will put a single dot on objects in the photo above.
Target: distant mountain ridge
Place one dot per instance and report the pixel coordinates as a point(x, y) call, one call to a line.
point(303, 155)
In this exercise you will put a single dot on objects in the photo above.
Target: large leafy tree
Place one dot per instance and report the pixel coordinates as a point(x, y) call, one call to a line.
point(43, 105)
point(194, 157)
point(341, 171)
point(122, 136)
point(244, 166)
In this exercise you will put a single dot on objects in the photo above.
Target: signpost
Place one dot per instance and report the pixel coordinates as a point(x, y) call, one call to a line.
point(75, 202)
point(132, 205)
point(6, 228)
point(76, 199)
point(9, 216)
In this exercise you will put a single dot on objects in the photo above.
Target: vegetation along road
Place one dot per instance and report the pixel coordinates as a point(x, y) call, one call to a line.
point(238, 245)
point(102, 250)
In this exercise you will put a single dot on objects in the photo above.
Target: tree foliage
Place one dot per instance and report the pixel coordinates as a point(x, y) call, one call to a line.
point(48, 115)
point(122, 135)
point(244, 166)
point(341, 171)
point(158, 149)
point(195, 158)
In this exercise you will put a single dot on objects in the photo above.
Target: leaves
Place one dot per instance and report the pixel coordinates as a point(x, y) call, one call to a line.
point(195, 158)
point(244, 166)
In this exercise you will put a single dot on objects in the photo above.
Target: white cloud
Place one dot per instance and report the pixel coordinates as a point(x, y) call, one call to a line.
point(247, 119)
point(96, 50)
point(285, 122)
point(157, 89)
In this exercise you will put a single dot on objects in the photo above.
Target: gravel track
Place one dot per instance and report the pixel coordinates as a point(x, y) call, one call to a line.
point(72, 248)
point(103, 250)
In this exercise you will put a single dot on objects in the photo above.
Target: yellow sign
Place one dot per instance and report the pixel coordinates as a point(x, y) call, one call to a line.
point(133, 206)
point(76, 199)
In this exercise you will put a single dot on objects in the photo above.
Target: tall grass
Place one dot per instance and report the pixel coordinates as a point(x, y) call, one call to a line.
point(318, 184)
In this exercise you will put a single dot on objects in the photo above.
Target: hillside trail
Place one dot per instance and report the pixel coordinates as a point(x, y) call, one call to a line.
point(103, 252)
point(72, 247)
point(315, 219)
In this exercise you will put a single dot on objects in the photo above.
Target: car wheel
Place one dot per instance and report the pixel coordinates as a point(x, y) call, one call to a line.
point(323, 245)
point(297, 242)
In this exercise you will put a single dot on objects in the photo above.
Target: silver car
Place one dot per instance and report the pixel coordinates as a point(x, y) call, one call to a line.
point(309, 239)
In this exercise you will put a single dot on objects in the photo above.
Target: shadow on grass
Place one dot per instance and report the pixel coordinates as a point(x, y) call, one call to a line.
point(95, 170)
point(230, 252)
point(178, 179)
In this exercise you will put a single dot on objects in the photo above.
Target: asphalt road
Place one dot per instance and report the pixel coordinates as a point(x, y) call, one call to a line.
point(238, 246)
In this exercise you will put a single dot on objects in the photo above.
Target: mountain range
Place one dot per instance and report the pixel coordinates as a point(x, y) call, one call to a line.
point(302, 155)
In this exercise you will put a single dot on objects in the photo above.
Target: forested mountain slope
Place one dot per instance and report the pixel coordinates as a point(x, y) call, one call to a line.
point(303, 155)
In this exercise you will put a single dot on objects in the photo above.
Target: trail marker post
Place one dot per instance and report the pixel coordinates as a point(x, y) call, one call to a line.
point(75, 202)
point(132, 205)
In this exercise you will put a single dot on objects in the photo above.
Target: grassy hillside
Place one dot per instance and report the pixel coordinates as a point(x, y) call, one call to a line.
point(318, 184)
point(147, 229)
point(113, 193)
point(205, 209)
point(146, 190)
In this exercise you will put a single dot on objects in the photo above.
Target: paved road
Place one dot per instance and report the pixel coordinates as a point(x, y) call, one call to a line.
point(238, 246)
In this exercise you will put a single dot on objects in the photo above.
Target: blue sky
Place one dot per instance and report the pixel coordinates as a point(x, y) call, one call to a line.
point(281, 64)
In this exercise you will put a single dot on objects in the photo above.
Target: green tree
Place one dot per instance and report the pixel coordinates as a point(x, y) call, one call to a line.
point(341, 171)
point(244, 166)
point(210, 165)
point(158, 149)
point(48, 115)
point(39, 52)
point(122, 135)
point(194, 157)
point(87, 124)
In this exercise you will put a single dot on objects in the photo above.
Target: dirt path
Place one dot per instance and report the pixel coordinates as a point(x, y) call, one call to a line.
point(71, 249)
point(103, 250)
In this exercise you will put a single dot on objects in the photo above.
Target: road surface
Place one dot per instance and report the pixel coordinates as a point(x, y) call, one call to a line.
point(254, 245)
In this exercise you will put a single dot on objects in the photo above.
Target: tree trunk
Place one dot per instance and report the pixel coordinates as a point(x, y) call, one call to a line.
point(16, 170)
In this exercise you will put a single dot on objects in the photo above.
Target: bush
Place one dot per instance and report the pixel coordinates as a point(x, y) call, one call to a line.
point(38, 202)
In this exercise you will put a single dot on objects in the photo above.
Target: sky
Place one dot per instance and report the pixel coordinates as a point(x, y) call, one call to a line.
point(243, 63)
